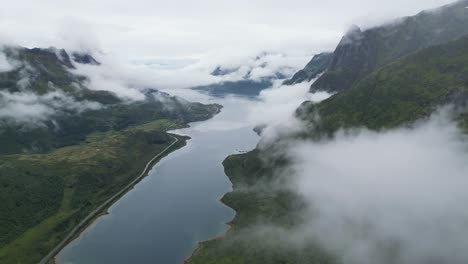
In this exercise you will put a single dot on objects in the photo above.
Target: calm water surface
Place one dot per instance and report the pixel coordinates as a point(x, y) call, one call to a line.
point(177, 205)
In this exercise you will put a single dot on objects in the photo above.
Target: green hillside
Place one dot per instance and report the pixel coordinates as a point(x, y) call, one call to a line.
point(361, 52)
point(56, 170)
point(395, 95)
point(45, 195)
point(49, 70)
point(404, 91)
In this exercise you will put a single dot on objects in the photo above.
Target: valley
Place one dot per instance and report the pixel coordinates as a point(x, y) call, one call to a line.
point(231, 154)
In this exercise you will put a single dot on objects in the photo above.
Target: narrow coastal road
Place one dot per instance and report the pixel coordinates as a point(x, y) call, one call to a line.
point(104, 205)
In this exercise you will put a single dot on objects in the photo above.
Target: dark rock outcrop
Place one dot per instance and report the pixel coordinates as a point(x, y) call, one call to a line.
point(316, 66)
point(361, 52)
point(85, 58)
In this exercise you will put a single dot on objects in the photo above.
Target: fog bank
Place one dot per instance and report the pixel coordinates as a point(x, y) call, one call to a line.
point(393, 197)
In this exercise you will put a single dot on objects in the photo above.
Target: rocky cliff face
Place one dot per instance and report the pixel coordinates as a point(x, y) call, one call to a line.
point(361, 52)
point(316, 66)
point(404, 91)
point(84, 58)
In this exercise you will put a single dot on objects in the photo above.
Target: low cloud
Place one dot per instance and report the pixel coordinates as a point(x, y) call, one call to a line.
point(77, 35)
point(130, 80)
point(30, 109)
point(297, 26)
point(129, 77)
point(6, 63)
point(109, 77)
point(277, 107)
point(256, 66)
point(242, 65)
point(397, 196)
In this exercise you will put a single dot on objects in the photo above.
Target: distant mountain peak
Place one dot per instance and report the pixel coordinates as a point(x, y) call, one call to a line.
point(361, 52)
point(314, 68)
point(221, 71)
point(353, 35)
point(353, 29)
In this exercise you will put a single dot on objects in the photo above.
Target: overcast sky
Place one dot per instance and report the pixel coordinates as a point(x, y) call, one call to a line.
point(185, 30)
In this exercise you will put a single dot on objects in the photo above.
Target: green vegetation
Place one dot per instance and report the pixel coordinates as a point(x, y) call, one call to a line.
point(75, 127)
point(258, 203)
point(54, 173)
point(395, 95)
point(362, 52)
point(46, 72)
point(158, 125)
point(42, 67)
point(45, 195)
point(404, 91)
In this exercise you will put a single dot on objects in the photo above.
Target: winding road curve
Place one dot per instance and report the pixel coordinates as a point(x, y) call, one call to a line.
point(104, 205)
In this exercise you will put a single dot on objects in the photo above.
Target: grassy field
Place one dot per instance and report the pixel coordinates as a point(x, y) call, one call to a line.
point(45, 195)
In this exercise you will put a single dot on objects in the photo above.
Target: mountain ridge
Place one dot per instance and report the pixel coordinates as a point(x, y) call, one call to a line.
point(362, 51)
point(66, 148)
point(398, 89)
point(43, 79)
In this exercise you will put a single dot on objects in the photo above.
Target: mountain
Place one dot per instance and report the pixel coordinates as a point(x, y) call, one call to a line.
point(37, 68)
point(84, 58)
point(44, 79)
point(249, 79)
point(66, 148)
point(401, 92)
point(361, 52)
point(316, 66)
point(393, 88)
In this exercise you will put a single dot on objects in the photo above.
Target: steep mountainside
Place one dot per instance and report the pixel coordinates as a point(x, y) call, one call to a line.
point(406, 90)
point(66, 148)
point(43, 80)
point(398, 94)
point(316, 66)
point(37, 69)
point(361, 52)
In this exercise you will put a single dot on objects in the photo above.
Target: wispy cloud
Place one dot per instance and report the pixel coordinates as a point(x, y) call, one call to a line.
point(277, 107)
point(6, 64)
point(33, 110)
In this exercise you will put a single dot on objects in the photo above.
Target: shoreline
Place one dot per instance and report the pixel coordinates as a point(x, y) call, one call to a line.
point(217, 237)
point(104, 213)
point(102, 209)
point(221, 236)
point(228, 224)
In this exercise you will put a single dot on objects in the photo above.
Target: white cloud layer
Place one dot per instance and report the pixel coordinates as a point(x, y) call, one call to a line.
point(181, 32)
point(154, 75)
point(142, 28)
point(277, 106)
point(33, 110)
point(5, 64)
point(393, 197)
